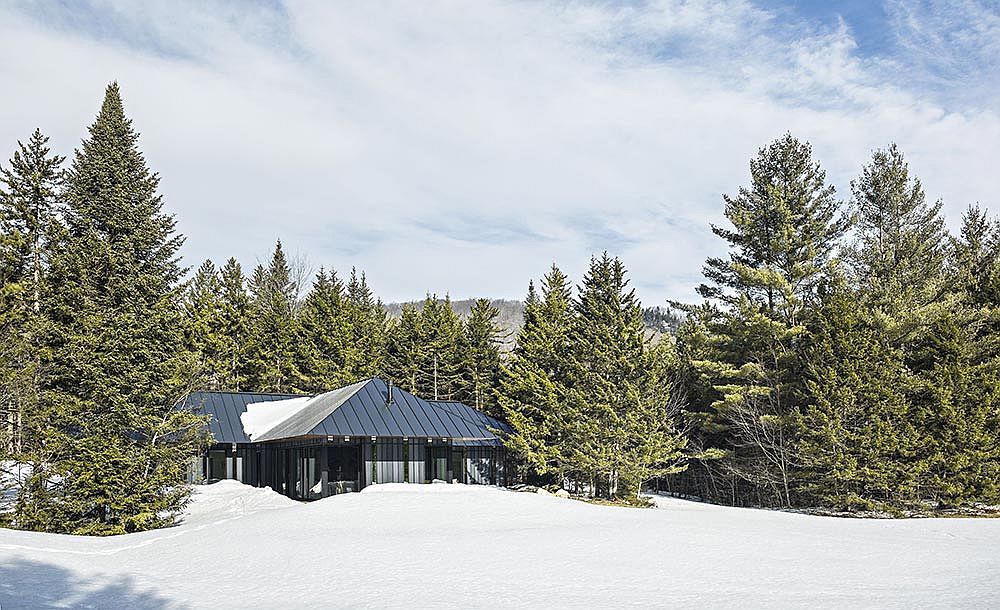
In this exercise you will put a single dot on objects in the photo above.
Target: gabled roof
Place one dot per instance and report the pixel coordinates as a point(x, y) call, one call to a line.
point(360, 409)
point(305, 416)
point(224, 409)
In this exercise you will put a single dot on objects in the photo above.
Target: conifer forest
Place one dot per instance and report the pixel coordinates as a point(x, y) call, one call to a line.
point(844, 354)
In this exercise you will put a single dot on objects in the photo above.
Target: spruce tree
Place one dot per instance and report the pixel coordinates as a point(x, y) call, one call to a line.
point(116, 366)
point(29, 196)
point(325, 333)
point(622, 425)
point(859, 447)
point(480, 357)
point(272, 350)
point(234, 330)
point(203, 309)
point(591, 402)
point(439, 375)
point(533, 393)
point(404, 351)
point(956, 404)
point(423, 351)
point(368, 325)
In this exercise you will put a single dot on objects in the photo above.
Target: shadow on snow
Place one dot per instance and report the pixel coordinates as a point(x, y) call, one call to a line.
point(33, 584)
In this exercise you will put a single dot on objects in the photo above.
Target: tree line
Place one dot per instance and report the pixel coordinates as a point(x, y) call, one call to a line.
point(845, 353)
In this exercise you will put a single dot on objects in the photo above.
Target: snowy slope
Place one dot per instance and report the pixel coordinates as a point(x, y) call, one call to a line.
point(416, 546)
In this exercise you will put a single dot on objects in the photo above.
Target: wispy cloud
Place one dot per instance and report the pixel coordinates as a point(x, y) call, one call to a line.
point(454, 147)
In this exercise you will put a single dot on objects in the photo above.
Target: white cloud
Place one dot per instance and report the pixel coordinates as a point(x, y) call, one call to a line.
point(454, 147)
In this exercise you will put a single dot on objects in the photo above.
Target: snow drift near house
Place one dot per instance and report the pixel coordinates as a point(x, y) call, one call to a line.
point(416, 546)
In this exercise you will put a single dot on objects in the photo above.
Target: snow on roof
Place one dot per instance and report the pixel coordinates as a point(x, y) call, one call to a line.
point(263, 416)
point(297, 415)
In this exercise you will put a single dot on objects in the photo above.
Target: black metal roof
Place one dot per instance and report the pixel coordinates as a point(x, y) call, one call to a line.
point(359, 409)
point(225, 409)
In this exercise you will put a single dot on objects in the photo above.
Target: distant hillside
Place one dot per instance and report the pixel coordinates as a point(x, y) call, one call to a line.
point(511, 314)
point(659, 320)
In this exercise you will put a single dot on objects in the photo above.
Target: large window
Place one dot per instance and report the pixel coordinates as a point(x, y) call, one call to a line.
point(343, 464)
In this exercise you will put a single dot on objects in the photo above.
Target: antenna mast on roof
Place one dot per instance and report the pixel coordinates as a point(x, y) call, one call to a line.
point(435, 376)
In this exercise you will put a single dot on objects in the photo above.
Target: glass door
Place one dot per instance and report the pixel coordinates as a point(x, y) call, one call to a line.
point(437, 464)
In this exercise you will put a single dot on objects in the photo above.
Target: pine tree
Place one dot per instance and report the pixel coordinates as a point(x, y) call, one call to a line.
point(787, 226)
point(976, 255)
point(368, 324)
point(480, 357)
point(622, 429)
point(325, 333)
point(29, 193)
point(234, 328)
point(203, 309)
point(976, 265)
point(860, 446)
point(899, 252)
point(116, 366)
point(404, 350)
point(786, 231)
point(272, 350)
point(533, 393)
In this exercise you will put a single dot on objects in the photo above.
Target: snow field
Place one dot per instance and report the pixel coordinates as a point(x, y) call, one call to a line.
point(417, 546)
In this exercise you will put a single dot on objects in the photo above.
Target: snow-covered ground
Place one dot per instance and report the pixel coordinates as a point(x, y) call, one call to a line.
point(418, 546)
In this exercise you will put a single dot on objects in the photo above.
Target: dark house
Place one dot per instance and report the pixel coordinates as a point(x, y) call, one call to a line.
point(310, 447)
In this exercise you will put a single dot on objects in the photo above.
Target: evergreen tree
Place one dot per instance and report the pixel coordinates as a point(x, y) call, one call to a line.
point(325, 333)
point(589, 400)
point(859, 448)
point(368, 324)
point(404, 350)
point(203, 308)
point(899, 252)
point(623, 429)
point(783, 245)
point(976, 266)
point(113, 449)
point(423, 352)
point(29, 192)
point(956, 404)
point(272, 351)
point(532, 393)
point(480, 357)
point(234, 330)
point(786, 228)
point(439, 374)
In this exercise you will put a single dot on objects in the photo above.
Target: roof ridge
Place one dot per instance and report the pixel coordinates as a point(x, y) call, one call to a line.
point(321, 415)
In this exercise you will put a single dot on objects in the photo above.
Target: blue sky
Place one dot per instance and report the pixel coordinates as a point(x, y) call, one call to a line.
point(463, 147)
